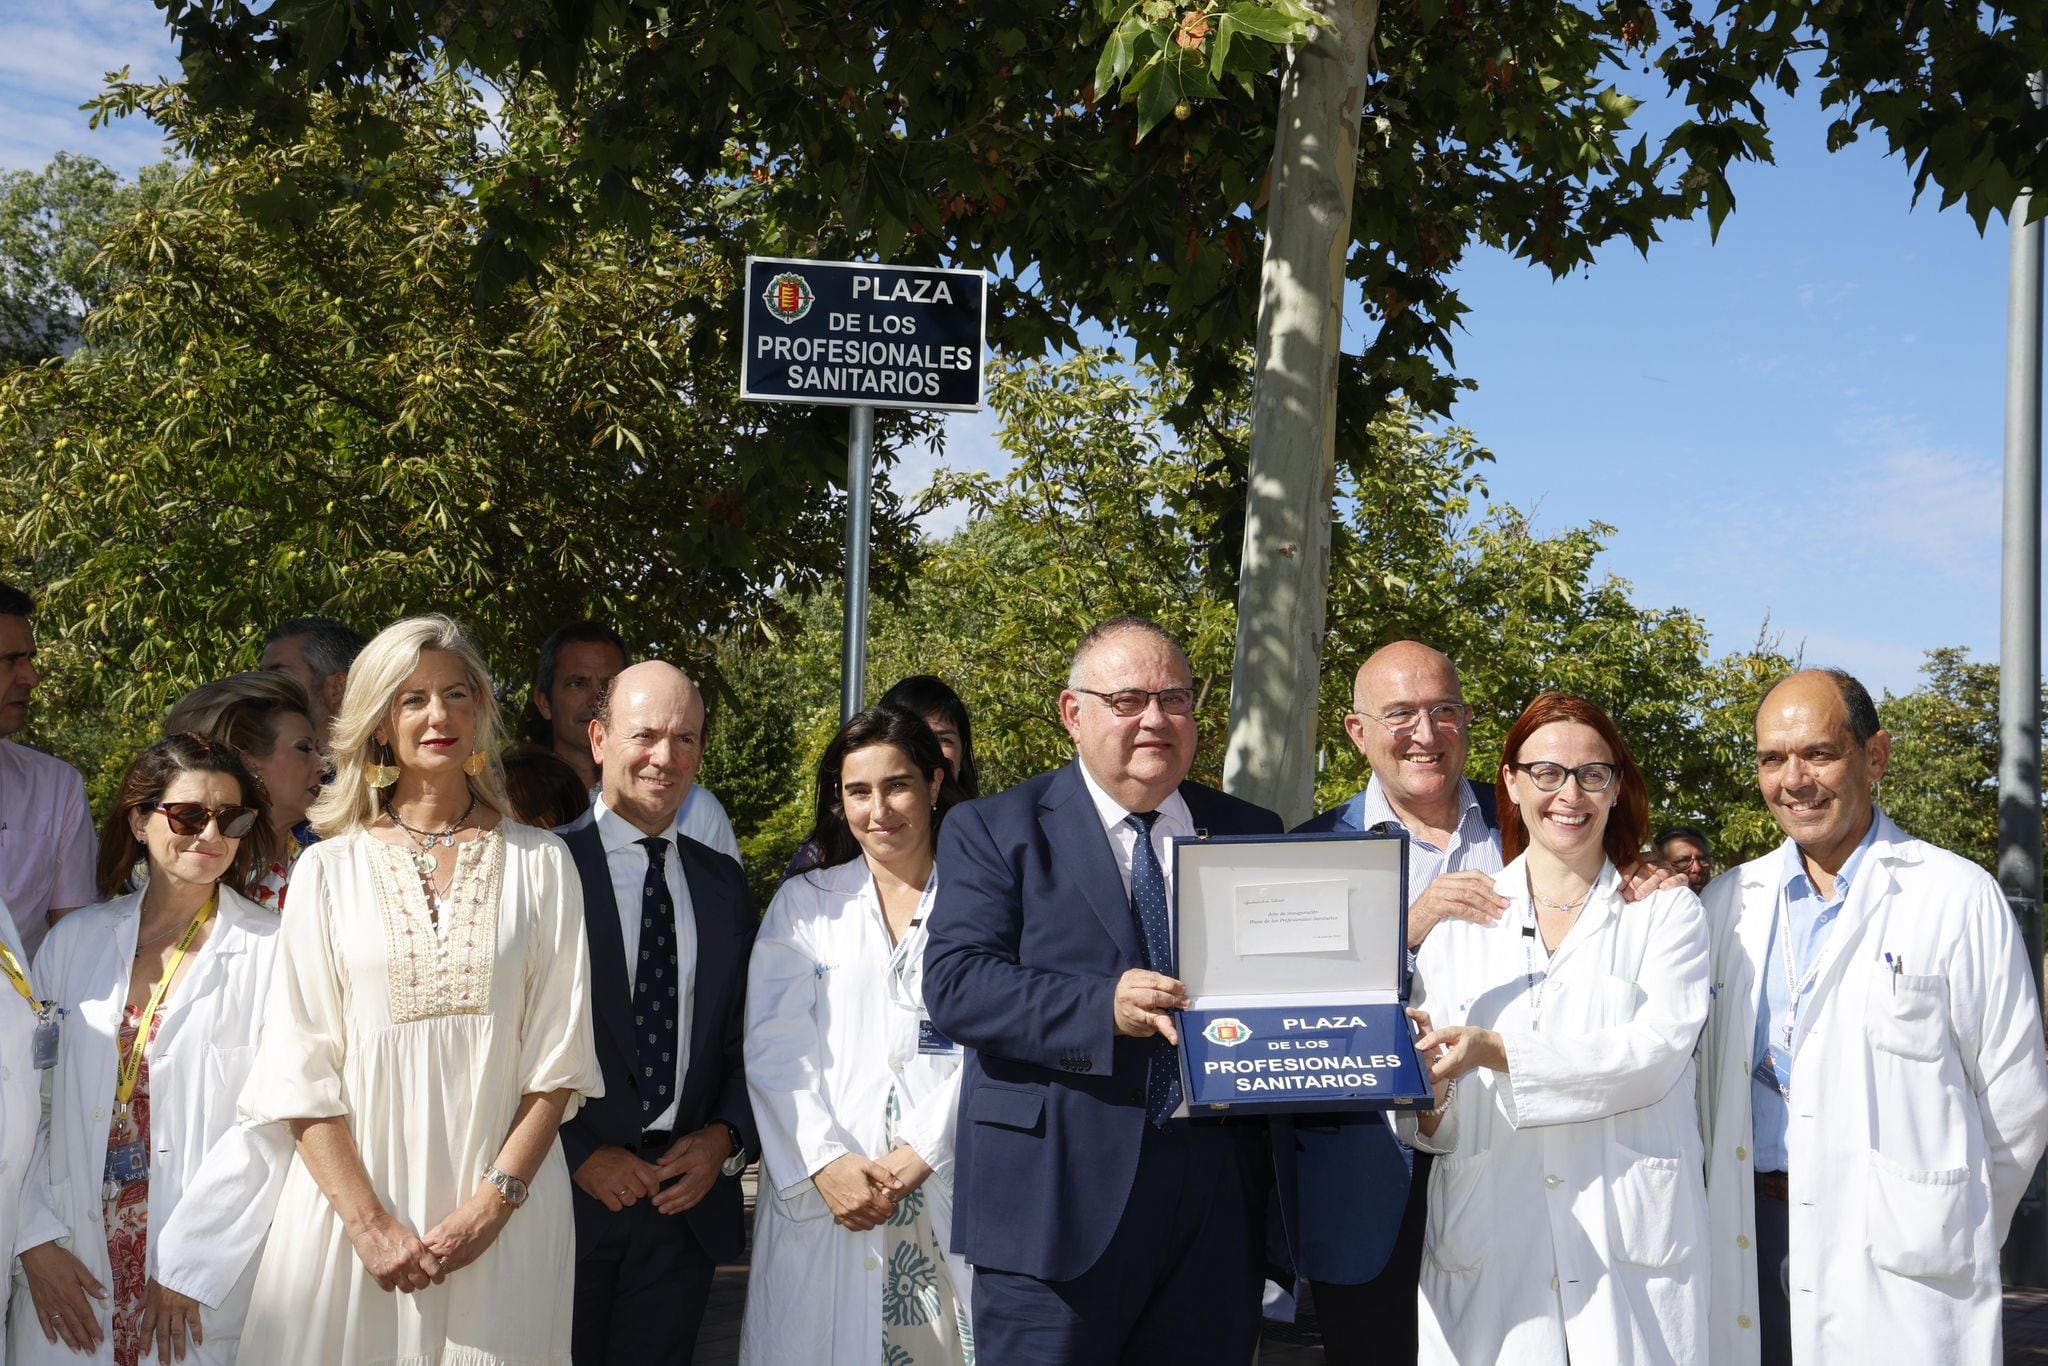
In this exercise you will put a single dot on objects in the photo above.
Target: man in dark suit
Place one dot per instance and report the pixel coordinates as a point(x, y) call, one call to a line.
point(1103, 1225)
point(657, 1159)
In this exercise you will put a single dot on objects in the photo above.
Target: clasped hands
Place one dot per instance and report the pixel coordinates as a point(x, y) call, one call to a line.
point(683, 1175)
point(863, 1193)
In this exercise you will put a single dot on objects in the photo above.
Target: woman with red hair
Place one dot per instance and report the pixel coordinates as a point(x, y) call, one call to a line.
point(1567, 1208)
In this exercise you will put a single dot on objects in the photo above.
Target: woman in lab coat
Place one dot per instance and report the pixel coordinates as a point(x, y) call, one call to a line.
point(1567, 1212)
point(853, 1090)
point(147, 1203)
point(22, 1009)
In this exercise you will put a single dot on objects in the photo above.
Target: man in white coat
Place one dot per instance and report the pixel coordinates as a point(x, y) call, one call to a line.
point(1873, 1086)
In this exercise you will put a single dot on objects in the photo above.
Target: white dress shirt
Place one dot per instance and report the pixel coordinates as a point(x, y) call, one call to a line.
point(47, 847)
point(627, 860)
point(1175, 822)
point(703, 819)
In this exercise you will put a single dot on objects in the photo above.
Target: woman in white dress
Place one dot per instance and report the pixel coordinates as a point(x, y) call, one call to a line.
point(147, 1202)
point(430, 1030)
point(854, 1092)
point(1566, 1215)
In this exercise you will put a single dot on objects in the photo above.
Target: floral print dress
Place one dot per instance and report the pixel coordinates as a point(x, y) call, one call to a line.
point(924, 1320)
point(127, 1210)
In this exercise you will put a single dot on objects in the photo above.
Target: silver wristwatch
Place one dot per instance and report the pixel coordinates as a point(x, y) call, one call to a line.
point(510, 1188)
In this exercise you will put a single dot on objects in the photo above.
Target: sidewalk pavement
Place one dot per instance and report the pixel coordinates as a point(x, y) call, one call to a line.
point(1298, 1344)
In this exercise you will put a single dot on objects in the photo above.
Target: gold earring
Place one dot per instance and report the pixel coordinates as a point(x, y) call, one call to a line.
point(476, 763)
point(380, 775)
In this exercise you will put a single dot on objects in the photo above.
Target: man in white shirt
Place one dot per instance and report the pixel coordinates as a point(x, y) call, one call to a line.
point(1872, 1086)
point(47, 846)
point(656, 1159)
point(1360, 1196)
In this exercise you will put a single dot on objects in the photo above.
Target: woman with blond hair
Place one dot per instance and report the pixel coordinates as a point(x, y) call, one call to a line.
point(268, 717)
point(430, 1030)
point(1567, 1212)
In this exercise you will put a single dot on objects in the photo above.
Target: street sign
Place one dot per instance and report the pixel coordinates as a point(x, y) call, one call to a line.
point(855, 335)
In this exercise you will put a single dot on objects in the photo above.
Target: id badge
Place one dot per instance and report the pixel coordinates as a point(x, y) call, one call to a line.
point(127, 1163)
point(929, 1040)
point(45, 1045)
point(1768, 1072)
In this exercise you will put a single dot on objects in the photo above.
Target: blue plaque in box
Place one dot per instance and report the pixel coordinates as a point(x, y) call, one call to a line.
point(1294, 951)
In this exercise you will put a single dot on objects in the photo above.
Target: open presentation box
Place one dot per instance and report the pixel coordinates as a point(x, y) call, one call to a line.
point(1294, 952)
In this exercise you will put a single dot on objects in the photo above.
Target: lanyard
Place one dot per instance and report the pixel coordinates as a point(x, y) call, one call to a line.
point(131, 1061)
point(1536, 984)
point(906, 963)
point(11, 966)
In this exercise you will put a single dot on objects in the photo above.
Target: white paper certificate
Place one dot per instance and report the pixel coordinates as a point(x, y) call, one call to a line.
point(1293, 917)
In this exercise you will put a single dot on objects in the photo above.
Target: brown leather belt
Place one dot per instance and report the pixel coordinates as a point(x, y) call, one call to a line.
point(1774, 1185)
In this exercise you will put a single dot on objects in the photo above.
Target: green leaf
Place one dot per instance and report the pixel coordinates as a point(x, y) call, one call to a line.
point(319, 27)
point(1617, 105)
point(1161, 93)
point(1262, 21)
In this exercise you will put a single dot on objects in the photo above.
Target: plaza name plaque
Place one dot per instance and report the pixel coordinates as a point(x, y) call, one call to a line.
point(1293, 949)
point(1284, 1058)
point(839, 332)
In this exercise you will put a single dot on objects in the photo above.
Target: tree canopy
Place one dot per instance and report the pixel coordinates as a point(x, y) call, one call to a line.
point(291, 401)
point(1107, 158)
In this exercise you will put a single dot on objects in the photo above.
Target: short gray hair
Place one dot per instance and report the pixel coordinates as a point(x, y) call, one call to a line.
point(1128, 623)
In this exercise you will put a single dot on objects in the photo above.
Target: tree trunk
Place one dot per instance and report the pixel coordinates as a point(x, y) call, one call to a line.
point(1286, 575)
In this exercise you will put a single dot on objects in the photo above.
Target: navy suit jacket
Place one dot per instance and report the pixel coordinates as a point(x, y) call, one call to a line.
point(1344, 1177)
point(1030, 932)
point(714, 1086)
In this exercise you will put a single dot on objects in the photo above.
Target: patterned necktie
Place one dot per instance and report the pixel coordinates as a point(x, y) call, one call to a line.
point(1155, 931)
point(654, 986)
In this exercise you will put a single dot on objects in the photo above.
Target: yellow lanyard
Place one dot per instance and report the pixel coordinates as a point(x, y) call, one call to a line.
point(11, 966)
point(131, 1061)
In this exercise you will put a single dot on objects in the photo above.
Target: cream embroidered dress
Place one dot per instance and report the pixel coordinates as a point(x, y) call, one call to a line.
point(424, 1032)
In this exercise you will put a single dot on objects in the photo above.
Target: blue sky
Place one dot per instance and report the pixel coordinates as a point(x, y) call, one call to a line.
point(1802, 422)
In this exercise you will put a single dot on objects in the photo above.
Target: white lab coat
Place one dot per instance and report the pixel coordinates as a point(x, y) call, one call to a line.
point(1919, 1108)
point(20, 1098)
point(824, 1045)
point(213, 1182)
point(1566, 1213)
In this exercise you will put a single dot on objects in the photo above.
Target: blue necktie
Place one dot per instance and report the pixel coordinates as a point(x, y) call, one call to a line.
point(654, 986)
point(1155, 931)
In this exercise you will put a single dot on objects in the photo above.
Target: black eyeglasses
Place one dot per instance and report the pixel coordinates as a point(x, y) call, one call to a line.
point(1133, 701)
point(1550, 777)
point(192, 818)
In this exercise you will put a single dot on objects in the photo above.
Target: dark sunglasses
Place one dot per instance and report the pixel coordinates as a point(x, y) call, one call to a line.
point(191, 818)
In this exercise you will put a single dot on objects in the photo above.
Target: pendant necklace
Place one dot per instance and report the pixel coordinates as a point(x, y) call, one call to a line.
point(425, 840)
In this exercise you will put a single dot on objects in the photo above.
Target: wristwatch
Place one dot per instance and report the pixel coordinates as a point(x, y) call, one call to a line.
point(737, 1163)
point(511, 1189)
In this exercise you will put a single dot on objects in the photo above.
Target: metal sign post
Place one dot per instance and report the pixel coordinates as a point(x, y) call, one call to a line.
point(860, 505)
point(862, 337)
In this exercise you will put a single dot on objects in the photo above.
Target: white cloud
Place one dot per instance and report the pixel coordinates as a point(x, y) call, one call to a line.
point(55, 57)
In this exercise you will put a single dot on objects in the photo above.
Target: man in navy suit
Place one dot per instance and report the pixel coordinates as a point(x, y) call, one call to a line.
point(656, 1159)
point(1358, 1196)
point(1103, 1225)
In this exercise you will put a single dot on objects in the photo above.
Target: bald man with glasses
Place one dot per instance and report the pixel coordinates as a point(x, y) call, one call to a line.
point(1358, 1197)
